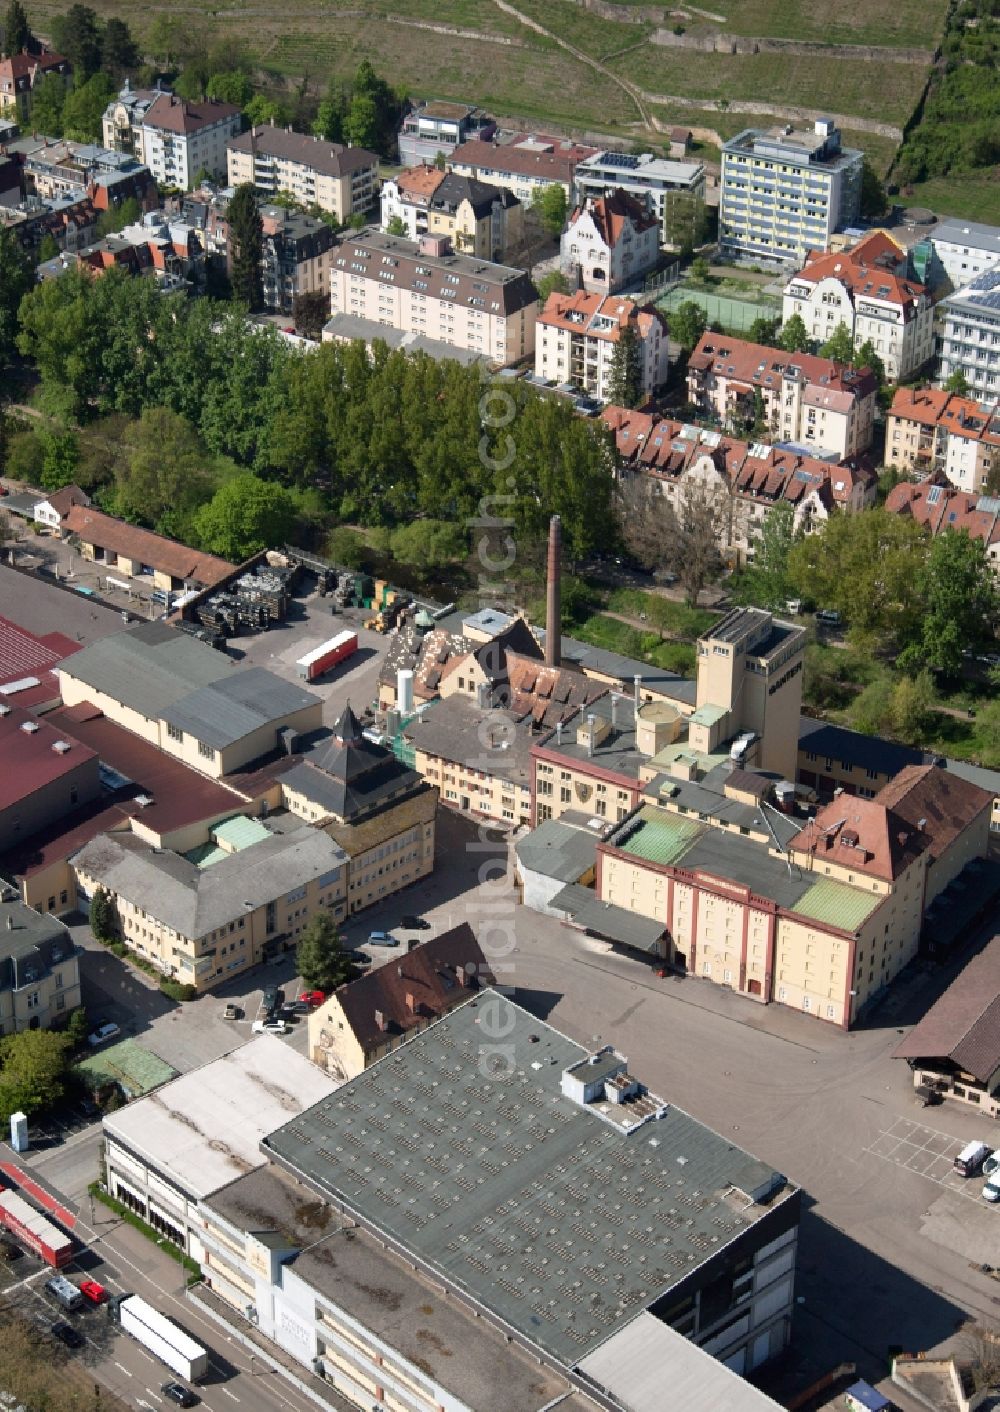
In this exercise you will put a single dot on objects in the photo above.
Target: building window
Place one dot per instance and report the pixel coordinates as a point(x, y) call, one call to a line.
point(175, 733)
point(205, 750)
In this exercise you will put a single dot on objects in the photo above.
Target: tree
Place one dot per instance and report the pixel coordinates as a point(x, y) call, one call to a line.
point(871, 710)
point(764, 331)
point(162, 478)
point(60, 453)
point(116, 218)
point(32, 1071)
point(687, 324)
point(261, 110)
point(960, 599)
point(866, 357)
point(16, 278)
point(765, 581)
point(396, 226)
point(329, 122)
point(103, 918)
point(310, 312)
point(166, 38)
point(48, 249)
point(48, 99)
point(246, 236)
point(84, 108)
point(244, 516)
point(16, 30)
point(77, 35)
point(957, 383)
point(429, 544)
point(320, 957)
point(873, 198)
point(77, 1028)
point(361, 122)
point(794, 336)
point(839, 346)
point(910, 708)
point(555, 282)
point(119, 51)
point(686, 537)
point(231, 87)
point(625, 374)
point(550, 205)
point(685, 222)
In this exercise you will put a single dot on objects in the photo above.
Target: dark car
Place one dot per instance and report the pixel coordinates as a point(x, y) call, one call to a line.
point(414, 924)
point(66, 1334)
point(178, 1393)
point(272, 1000)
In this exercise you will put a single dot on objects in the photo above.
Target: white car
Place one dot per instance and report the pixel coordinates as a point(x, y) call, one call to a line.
point(103, 1033)
point(269, 1027)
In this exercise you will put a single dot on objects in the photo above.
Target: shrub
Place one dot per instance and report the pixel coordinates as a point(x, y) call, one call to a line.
point(177, 990)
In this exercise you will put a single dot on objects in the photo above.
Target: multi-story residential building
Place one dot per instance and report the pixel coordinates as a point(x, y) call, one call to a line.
point(121, 125)
point(203, 916)
point(523, 166)
point(965, 249)
point(370, 1017)
point(644, 177)
point(407, 198)
point(39, 967)
point(815, 402)
point(61, 168)
point(784, 192)
point(424, 287)
point(939, 508)
point(670, 456)
point(43, 775)
point(181, 139)
point(929, 429)
point(970, 343)
point(478, 219)
point(867, 289)
point(296, 257)
point(610, 243)
point(578, 334)
point(20, 73)
point(435, 129)
point(338, 179)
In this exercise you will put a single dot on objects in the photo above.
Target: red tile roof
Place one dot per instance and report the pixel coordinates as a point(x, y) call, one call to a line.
point(25, 654)
point(141, 545)
point(759, 366)
point(940, 804)
point(960, 416)
point(24, 70)
point(558, 165)
point(612, 214)
point(420, 181)
point(868, 269)
point(577, 314)
point(863, 835)
point(938, 506)
point(28, 758)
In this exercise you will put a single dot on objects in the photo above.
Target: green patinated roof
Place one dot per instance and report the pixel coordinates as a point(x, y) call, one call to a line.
point(681, 750)
point(660, 837)
point(240, 832)
point(708, 715)
point(205, 855)
point(126, 1063)
point(837, 904)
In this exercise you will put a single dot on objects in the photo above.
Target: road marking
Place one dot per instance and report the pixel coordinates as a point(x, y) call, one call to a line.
point(926, 1151)
point(122, 1369)
point(154, 1395)
point(229, 1394)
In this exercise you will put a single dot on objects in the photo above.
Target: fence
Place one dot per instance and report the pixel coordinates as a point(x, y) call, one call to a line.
point(735, 315)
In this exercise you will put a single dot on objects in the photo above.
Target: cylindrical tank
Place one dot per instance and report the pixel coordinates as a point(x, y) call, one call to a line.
point(657, 725)
point(404, 691)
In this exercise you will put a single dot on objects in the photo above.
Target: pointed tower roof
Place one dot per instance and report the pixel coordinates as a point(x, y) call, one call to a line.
point(348, 728)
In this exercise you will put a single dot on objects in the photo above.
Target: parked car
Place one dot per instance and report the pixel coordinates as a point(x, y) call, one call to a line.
point(66, 1334)
point(991, 1191)
point(178, 1393)
point(793, 605)
point(991, 1165)
point(312, 998)
point(828, 617)
point(272, 999)
point(269, 1027)
point(65, 1291)
point(382, 939)
point(414, 924)
point(232, 1012)
point(109, 1030)
point(91, 1290)
point(969, 1161)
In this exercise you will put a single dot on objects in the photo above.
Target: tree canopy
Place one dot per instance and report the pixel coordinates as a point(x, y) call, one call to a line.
point(794, 336)
point(320, 956)
point(32, 1071)
point(625, 374)
point(16, 278)
point(550, 204)
point(245, 246)
point(16, 30)
point(244, 516)
point(687, 324)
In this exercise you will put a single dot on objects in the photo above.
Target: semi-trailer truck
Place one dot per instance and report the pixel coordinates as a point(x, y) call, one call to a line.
point(32, 1229)
point(161, 1336)
point(323, 658)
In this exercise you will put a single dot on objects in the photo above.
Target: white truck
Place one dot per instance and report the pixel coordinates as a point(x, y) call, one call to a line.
point(161, 1336)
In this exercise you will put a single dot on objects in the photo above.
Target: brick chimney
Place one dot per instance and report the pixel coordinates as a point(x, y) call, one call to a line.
point(553, 631)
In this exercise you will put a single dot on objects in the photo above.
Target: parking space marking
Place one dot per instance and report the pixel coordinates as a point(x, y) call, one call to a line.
point(229, 1394)
point(122, 1369)
point(925, 1151)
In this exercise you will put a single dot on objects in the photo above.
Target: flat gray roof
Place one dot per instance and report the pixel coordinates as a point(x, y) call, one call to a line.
point(606, 920)
point(563, 1223)
point(617, 751)
point(626, 669)
point(450, 729)
point(557, 850)
point(147, 667)
point(226, 710)
point(973, 234)
point(355, 328)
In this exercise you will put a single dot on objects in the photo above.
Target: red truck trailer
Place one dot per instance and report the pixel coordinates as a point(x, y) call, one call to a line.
point(321, 659)
point(33, 1231)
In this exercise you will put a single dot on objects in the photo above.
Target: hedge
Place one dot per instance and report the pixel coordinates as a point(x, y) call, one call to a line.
point(131, 1219)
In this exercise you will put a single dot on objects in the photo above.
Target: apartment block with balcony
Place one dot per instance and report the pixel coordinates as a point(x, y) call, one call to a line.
point(121, 125)
point(578, 334)
point(647, 179)
point(611, 242)
point(970, 343)
point(435, 129)
point(340, 180)
point(407, 198)
point(181, 138)
point(39, 967)
point(867, 288)
point(426, 288)
point(296, 257)
point(822, 405)
point(784, 192)
point(929, 429)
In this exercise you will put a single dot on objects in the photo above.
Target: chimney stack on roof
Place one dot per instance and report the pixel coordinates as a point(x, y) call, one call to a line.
point(553, 636)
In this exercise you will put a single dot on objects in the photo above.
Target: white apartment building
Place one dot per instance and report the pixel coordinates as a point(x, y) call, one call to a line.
point(965, 249)
point(785, 192)
point(929, 429)
point(610, 242)
point(866, 289)
point(647, 178)
point(971, 340)
point(180, 139)
point(407, 198)
point(813, 402)
point(338, 179)
point(423, 287)
point(578, 334)
point(121, 124)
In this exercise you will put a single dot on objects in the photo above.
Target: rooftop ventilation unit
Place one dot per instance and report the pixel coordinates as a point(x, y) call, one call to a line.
point(29, 727)
point(144, 800)
point(61, 747)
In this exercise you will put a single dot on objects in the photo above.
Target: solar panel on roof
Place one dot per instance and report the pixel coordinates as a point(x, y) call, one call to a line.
point(988, 505)
point(625, 160)
point(934, 494)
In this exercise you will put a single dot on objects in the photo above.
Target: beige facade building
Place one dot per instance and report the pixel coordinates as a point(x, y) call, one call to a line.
point(929, 429)
point(813, 402)
point(427, 289)
point(20, 74)
point(477, 219)
point(579, 333)
point(370, 1017)
point(525, 166)
point(338, 179)
point(133, 553)
point(39, 967)
point(609, 243)
point(867, 290)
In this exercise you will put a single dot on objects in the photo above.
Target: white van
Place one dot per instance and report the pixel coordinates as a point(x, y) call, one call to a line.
point(971, 1158)
point(991, 1191)
point(65, 1291)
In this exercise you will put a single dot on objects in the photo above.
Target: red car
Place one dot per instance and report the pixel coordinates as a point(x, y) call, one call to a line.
point(91, 1290)
point(312, 997)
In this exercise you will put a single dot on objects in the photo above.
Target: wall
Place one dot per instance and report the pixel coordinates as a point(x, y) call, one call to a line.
point(972, 842)
point(51, 801)
point(73, 692)
point(43, 1003)
point(333, 1045)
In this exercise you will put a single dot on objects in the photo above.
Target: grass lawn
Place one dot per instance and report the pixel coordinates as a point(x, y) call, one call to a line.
point(675, 618)
point(602, 631)
point(975, 195)
point(582, 29)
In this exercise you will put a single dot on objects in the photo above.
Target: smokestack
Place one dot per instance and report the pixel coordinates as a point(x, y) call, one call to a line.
point(614, 710)
point(591, 722)
point(638, 692)
point(553, 642)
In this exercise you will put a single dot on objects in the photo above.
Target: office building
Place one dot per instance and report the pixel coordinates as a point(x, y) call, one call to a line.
point(784, 192)
point(577, 335)
point(970, 343)
point(340, 180)
point(646, 178)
